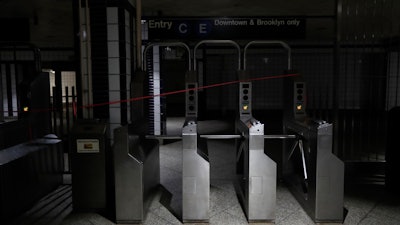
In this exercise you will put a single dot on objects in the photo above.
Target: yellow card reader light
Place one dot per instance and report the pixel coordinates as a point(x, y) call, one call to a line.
point(26, 109)
point(299, 107)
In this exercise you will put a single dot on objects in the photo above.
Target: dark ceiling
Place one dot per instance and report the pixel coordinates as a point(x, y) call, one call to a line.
point(239, 7)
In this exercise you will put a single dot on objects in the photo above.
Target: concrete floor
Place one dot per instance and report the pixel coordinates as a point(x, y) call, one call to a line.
point(364, 205)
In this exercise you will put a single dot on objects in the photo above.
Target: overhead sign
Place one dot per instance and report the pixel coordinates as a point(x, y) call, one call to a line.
point(226, 28)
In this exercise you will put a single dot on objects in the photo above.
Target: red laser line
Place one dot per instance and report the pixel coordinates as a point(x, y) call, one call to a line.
point(74, 106)
point(190, 89)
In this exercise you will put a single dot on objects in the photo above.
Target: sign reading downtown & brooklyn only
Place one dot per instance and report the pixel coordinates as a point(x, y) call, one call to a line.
point(226, 28)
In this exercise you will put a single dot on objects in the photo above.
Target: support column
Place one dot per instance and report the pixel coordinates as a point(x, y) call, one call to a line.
point(107, 59)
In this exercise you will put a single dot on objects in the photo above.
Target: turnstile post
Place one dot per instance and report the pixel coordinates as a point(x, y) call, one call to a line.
point(195, 177)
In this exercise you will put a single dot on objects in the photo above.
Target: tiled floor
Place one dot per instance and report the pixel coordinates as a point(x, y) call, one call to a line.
point(365, 206)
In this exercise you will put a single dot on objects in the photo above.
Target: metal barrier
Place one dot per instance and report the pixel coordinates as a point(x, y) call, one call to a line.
point(195, 165)
point(136, 174)
point(195, 176)
point(313, 174)
point(256, 171)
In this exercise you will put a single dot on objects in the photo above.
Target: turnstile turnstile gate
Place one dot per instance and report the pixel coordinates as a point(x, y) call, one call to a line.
point(195, 163)
point(195, 175)
point(256, 172)
point(136, 174)
point(313, 174)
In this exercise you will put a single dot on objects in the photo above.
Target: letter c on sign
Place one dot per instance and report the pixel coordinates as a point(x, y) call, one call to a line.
point(183, 28)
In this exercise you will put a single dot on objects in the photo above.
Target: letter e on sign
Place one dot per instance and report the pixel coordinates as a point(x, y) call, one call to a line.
point(202, 28)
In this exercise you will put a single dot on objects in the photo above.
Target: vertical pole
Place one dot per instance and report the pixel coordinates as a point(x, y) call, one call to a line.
point(67, 109)
point(87, 93)
point(89, 60)
point(74, 107)
point(59, 102)
point(336, 74)
point(1, 93)
point(139, 34)
point(54, 110)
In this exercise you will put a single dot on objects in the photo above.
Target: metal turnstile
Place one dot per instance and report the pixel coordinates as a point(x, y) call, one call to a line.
point(256, 172)
point(136, 174)
point(195, 165)
point(196, 175)
point(313, 174)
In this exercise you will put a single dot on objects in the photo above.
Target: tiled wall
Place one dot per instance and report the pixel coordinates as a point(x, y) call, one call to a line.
point(84, 77)
point(114, 70)
point(156, 87)
point(120, 59)
point(8, 88)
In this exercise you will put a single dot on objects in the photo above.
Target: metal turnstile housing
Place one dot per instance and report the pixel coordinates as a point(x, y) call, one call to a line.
point(257, 173)
point(136, 174)
point(321, 195)
point(196, 175)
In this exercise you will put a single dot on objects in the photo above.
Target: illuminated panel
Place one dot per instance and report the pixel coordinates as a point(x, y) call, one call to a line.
point(245, 98)
point(299, 98)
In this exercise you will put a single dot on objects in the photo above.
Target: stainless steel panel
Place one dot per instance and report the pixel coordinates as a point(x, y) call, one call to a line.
point(127, 178)
point(195, 179)
point(322, 194)
point(258, 184)
point(330, 179)
point(136, 175)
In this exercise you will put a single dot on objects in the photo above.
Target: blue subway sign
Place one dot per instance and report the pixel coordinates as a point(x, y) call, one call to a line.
point(226, 28)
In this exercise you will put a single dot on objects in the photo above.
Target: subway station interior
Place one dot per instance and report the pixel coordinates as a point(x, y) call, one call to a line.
point(199, 112)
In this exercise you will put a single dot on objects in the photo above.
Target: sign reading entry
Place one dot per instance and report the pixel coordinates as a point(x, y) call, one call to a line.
point(226, 28)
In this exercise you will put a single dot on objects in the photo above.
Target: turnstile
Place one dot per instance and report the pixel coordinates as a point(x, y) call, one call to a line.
point(313, 174)
point(195, 163)
point(136, 174)
point(256, 172)
point(195, 176)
